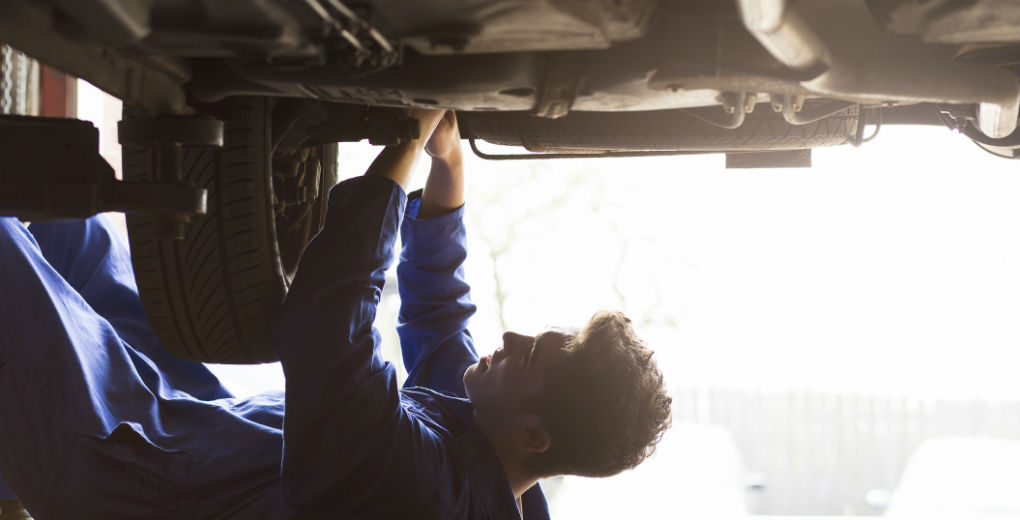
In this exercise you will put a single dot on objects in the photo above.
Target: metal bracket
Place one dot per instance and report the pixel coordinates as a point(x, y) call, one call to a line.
point(51, 168)
point(168, 135)
point(186, 131)
point(798, 112)
point(380, 125)
point(735, 105)
point(562, 79)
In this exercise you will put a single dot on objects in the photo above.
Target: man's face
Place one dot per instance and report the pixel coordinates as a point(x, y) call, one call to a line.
point(498, 383)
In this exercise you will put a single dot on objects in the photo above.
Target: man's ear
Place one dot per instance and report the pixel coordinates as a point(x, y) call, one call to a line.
point(531, 436)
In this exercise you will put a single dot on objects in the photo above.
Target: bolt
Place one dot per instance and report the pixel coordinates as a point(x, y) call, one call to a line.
point(729, 101)
point(749, 103)
point(798, 103)
point(776, 101)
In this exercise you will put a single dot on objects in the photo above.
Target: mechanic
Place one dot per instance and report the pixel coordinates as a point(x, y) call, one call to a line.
point(107, 424)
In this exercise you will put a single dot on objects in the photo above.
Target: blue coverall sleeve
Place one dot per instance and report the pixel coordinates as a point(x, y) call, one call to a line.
point(434, 301)
point(349, 445)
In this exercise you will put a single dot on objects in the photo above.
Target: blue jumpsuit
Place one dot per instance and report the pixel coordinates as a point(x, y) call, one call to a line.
point(97, 420)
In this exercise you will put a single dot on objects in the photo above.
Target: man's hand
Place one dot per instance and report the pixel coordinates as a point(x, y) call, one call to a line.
point(428, 119)
point(444, 190)
point(397, 162)
point(445, 141)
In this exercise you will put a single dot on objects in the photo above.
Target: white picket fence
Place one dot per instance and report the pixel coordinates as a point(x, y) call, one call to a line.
point(819, 453)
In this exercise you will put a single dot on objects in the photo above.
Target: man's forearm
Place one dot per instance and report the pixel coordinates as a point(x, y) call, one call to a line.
point(397, 163)
point(444, 190)
point(434, 302)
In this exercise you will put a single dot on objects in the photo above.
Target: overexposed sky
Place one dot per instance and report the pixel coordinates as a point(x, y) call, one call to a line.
point(890, 268)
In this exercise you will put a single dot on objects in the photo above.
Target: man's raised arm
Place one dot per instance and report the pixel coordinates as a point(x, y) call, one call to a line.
point(434, 300)
point(343, 413)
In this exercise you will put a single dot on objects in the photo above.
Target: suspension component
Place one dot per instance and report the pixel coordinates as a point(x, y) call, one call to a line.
point(169, 134)
point(52, 169)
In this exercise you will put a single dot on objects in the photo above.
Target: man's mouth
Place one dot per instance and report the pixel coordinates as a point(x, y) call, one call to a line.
point(485, 362)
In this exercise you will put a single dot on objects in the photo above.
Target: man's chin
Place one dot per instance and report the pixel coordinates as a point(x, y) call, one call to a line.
point(469, 373)
point(468, 379)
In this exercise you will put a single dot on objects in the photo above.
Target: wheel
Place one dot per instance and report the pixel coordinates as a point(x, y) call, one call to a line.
point(762, 129)
point(212, 296)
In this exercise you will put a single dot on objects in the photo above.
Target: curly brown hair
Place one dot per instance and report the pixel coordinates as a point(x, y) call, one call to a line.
point(603, 402)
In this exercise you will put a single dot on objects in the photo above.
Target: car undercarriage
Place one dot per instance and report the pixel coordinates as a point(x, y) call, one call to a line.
point(718, 60)
point(233, 108)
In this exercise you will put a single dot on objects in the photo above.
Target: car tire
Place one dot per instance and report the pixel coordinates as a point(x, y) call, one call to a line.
point(674, 130)
point(212, 296)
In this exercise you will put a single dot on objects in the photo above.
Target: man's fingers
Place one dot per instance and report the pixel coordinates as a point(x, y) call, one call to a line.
point(445, 138)
point(446, 126)
point(450, 119)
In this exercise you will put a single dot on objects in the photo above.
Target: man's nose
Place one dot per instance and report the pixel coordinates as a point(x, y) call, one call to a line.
point(514, 342)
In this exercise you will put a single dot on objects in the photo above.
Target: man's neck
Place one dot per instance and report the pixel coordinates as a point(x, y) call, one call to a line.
point(509, 459)
point(518, 482)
